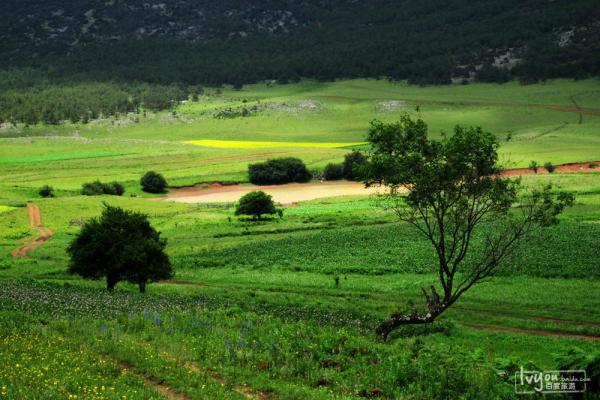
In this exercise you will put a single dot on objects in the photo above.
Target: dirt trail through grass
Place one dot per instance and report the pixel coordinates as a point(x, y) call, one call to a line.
point(591, 166)
point(35, 221)
point(534, 332)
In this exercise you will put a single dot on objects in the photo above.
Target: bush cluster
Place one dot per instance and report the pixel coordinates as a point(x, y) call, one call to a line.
point(153, 182)
point(46, 191)
point(97, 188)
point(278, 171)
point(333, 172)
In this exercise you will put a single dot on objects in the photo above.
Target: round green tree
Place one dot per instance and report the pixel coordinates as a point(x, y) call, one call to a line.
point(256, 204)
point(153, 182)
point(353, 162)
point(121, 245)
point(46, 191)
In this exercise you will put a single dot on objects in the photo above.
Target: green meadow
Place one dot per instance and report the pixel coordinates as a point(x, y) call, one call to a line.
point(125, 147)
point(285, 308)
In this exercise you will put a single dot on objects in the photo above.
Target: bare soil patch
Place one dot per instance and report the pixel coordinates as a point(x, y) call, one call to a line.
point(291, 194)
point(285, 194)
point(560, 169)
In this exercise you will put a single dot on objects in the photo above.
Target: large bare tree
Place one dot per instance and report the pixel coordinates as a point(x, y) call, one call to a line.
point(452, 192)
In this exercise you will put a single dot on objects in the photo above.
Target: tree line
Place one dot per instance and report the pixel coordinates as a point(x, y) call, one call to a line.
point(30, 100)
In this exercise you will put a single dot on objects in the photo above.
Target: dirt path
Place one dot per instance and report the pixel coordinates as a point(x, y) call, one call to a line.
point(525, 316)
point(149, 382)
point(534, 332)
point(560, 169)
point(35, 221)
point(244, 391)
point(192, 367)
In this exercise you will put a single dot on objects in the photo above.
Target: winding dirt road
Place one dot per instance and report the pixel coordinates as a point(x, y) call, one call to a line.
point(35, 221)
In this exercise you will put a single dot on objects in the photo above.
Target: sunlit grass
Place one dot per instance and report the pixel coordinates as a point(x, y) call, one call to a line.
point(4, 209)
point(242, 144)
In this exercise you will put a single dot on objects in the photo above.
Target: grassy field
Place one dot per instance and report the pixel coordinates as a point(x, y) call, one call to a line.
point(541, 120)
point(254, 310)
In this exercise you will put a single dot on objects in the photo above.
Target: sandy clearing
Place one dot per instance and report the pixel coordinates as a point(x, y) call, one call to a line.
point(295, 192)
point(284, 194)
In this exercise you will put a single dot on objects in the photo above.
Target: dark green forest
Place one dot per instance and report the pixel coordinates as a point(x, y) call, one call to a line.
point(102, 58)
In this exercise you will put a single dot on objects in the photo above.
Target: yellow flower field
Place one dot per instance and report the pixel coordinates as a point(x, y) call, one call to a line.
point(241, 144)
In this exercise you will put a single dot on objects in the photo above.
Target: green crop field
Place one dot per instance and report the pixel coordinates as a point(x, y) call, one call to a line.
point(285, 308)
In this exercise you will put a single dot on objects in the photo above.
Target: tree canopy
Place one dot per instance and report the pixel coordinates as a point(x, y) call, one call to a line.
point(257, 204)
point(452, 192)
point(153, 182)
point(120, 245)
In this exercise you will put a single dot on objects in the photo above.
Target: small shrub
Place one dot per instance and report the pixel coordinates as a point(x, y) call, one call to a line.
point(593, 165)
point(153, 182)
point(256, 204)
point(533, 165)
point(92, 189)
point(550, 167)
point(46, 191)
point(333, 172)
point(118, 188)
point(108, 188)
point(98, 188)
point(353, 162)
point(278, 171)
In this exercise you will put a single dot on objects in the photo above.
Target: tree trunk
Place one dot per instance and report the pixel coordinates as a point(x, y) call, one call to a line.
point(397, 320)
point(111, 282)
point(435, 306)
point(142, 286)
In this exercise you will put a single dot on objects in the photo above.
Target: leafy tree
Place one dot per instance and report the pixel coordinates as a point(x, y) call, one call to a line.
point(46, 191)
point(120, 245)
point(257, 204)
point(278, 171)
point(550, 167)
point(153, 182)
point(333, 172)
point(353, 162)
point(533, 165)
point(454, 194)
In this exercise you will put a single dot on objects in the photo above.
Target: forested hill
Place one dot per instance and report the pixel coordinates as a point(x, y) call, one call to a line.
point(240, 41)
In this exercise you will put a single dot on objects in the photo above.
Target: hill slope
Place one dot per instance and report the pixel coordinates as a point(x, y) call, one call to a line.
point(240, 41)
